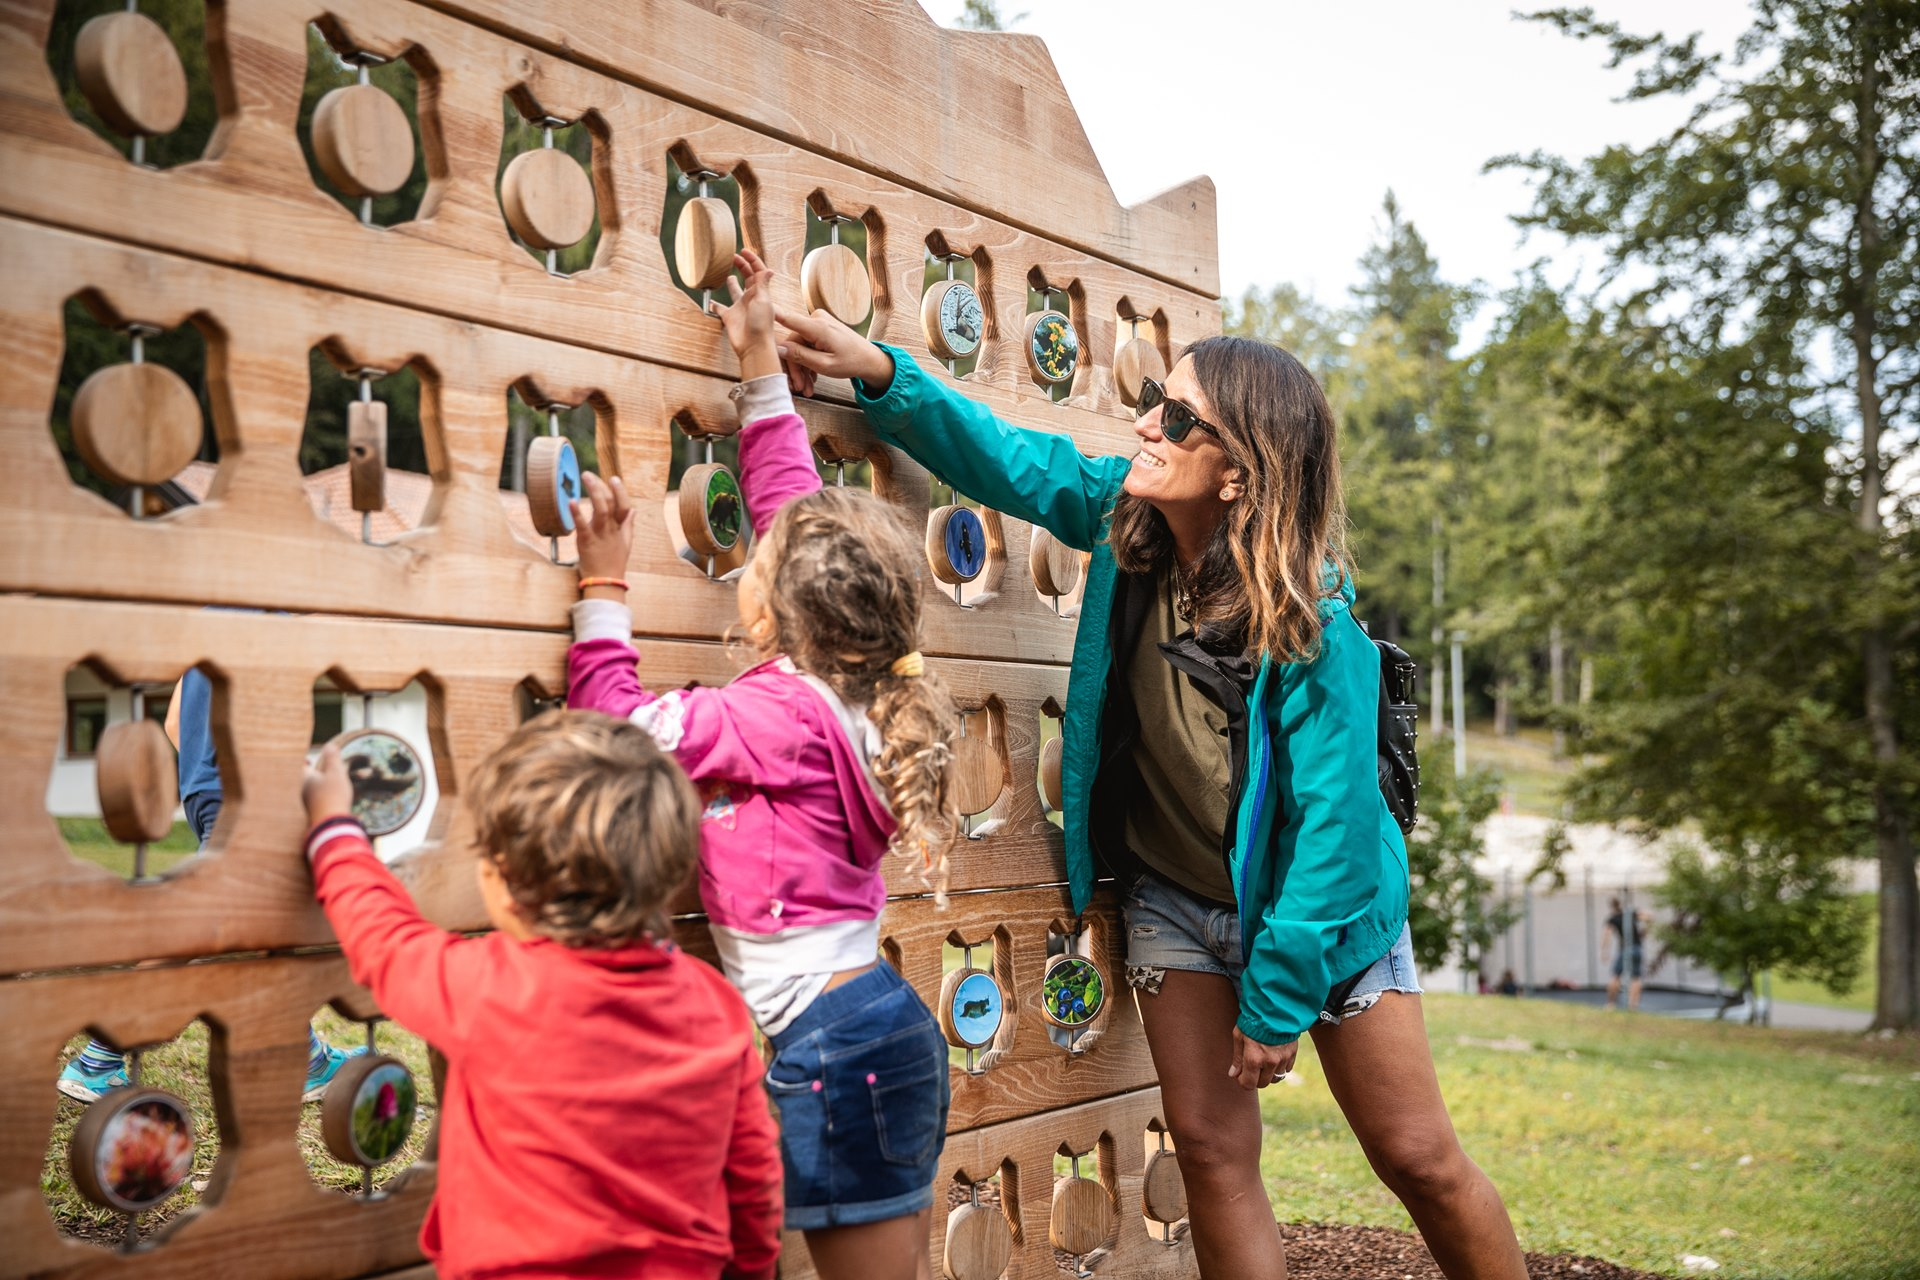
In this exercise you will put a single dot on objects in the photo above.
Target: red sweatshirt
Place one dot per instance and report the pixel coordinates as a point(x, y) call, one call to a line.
point(603, 1114)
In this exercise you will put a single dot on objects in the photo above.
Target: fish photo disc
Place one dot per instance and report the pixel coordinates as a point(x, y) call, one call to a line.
point(972, 1008)
point(133, 1149)
point(1072, 993)
point(389, 784)
point(1053, 348)
point(368, 1110)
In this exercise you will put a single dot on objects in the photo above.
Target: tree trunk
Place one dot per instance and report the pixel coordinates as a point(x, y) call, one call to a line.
point(1503, 709)
point(1897, 1004)
point(1557, 685)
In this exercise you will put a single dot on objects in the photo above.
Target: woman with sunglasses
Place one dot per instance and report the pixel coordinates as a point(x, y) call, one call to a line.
point(1220, 763)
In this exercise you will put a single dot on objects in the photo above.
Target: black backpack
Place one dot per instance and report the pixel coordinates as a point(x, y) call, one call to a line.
point(1399, 721)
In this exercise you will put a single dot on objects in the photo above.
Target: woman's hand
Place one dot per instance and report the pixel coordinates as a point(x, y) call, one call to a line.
point(603, 531)
point(823, 345)
point(748, 323)
point(1257, 1065)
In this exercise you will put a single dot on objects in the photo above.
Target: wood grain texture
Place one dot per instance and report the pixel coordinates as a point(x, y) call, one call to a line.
point(361, 140)
point(834, 279)
point(1081, 1216)
point(1137, 360)
point(367, 454)
point(139, 786)
point(704, 241)
point(979, 1244)
point(136, 423)
point(547, 198)
point(130, 74)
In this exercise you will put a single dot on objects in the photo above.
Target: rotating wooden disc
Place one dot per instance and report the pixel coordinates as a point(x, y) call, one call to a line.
point(131, 74)
point(711, 509)
point(389, 780)
point(367, 454)
point(1079, 1223)
point(138, 781)
point(132, 1149)
point(956, 544)
point(362, 141)
point(704, 242)
point(1054, 565)
point(548, 198)
point(975, 775)
point(1163, 1192)
point(953, 319)
point(136, 423)
point(979, 1245)
point(368, 1110)
point(1052, 794)
point(553, 482)
point(972, 1007)
point(834, 279)
point(1053, 348)
point(1136, 359)
point(1072, 992)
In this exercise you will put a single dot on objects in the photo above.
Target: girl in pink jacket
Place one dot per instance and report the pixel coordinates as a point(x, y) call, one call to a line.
point(811, 766)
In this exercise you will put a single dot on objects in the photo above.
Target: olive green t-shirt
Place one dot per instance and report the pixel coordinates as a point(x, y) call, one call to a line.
point(1176, 817)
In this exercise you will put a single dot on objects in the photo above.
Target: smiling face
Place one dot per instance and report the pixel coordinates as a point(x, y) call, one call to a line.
point(1183, 481)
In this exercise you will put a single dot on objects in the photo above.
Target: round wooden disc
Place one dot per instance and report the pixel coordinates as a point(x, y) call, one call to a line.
point(1053, 348)
point(548, 198)
point(389, 780)
point(362, 141)
point(1080, 1216)
point(131, 74)
point(711, 508)
point(704, 242)
point(1051, 793)
point(1163, 1192)
point(972, 1007)
point(834, 279)
point(138, 781)
point(136, 423)
point(956, 544)
point(132, 1149)
point(1054, 565)
point(974, 777)
point(1072, 992)
point(368, 1110)
point(1135, 360)
point(979, 1245)
point(553, 482)
point(953, 319)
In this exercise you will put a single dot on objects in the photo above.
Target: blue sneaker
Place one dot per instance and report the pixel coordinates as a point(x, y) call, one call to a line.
point(319, 1078)
point(86, 1086)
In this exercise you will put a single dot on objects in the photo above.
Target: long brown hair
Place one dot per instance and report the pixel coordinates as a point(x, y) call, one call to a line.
point(1281, 547)
point(841, 580)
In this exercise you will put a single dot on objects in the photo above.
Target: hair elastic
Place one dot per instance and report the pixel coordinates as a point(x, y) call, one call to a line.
point(603, 582)
point(909, 664)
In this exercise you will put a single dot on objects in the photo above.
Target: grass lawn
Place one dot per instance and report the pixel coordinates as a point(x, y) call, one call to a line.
point(88, 838)
point(1530, 778)
point(1862, 995)
point(1784, 1155)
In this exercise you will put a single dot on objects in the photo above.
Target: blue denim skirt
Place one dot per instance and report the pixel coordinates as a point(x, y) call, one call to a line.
point(860, 1081)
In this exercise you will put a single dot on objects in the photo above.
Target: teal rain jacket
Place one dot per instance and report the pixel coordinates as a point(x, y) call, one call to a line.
point(1318, 864)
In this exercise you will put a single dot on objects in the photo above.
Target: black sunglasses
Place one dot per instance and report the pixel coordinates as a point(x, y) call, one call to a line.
point(1176, 420)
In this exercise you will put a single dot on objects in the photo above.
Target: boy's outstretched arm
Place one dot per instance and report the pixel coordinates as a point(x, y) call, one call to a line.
point(753, 1179)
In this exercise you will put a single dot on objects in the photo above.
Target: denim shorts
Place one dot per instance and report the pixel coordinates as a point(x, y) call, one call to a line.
point(860, 1080)
point(1169, 928)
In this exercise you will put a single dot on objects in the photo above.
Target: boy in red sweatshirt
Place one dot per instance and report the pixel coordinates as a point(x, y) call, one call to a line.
point(603, 1114)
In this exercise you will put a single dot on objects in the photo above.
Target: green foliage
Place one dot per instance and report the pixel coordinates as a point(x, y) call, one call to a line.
point(984, 15)
point(1448, 909)
point(185, 22)
point(326, 72)
point(519, 134)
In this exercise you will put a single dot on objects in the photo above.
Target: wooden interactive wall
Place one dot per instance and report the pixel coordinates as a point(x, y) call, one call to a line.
point(938, 144)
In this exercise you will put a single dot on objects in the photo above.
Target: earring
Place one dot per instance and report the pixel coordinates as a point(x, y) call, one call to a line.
point(1226, 494)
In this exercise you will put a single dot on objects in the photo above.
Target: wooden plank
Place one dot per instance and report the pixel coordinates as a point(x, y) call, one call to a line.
point(253, 202)
point(257, 542)
point(261, 1205)
point(252, 891)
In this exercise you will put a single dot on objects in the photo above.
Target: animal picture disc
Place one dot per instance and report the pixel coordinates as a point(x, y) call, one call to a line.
point(389, 785)
point(953, 319)
point(971, 1008)
point(956, 544)
point(368, 1110)
point(1053, 348)
point(1072, 992)
point(553, 482)
point(712, 512)
point(133, 1149)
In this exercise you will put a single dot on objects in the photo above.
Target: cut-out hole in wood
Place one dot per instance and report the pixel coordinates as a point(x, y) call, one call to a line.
point(545, 186)
point(977, 1001)
point(706, 515)
point(834, 274)
point(140, 78)
point(131, 415)
point(359, 127)
point(1139, 350)
point(363, 448)
point(982, 1224)
point(124, 796)
point(121, 1167)
point(1050, 338)
point(700, 226)
point(1075, 990)
point(965, 546)
point(1163, 1192)
point(1050, 766)
point(1059, 573)
point(979, 771)
point(1084, 1219)
point(954, 315)
point(549, 448)
point(371, 1122)
point(388, 739)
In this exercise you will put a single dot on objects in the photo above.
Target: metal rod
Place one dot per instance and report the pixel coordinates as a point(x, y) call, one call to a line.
point(139, 149)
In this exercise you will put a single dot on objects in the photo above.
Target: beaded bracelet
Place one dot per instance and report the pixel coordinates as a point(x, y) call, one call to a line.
point(603, 582)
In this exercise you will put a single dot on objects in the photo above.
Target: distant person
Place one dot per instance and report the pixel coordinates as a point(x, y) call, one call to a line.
point(1507, 986)
point(1628, 952)
point(99, 1068)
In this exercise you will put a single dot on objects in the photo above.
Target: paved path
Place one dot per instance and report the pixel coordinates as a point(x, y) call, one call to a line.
point(1818, 1017)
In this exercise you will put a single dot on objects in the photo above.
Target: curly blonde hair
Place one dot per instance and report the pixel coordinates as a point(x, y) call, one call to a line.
point(839, 575)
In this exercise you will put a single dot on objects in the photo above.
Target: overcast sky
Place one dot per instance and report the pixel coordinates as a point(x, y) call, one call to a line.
point(1304, 113)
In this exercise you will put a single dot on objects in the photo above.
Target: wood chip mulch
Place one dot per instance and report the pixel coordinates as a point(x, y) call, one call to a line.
point(1328, 1252)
